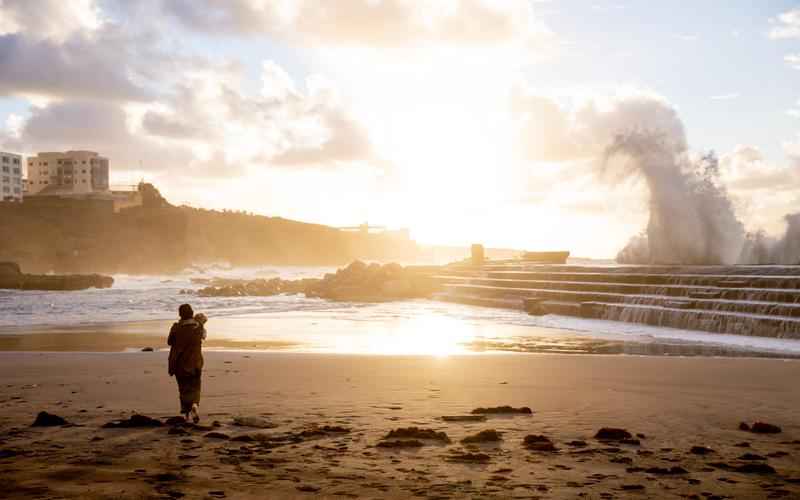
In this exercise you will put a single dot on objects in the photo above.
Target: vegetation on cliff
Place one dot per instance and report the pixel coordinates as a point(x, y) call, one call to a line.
point(61, 235)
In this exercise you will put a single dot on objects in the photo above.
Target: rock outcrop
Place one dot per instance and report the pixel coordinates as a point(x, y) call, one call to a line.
point(12, 277)
point(255, 288)
point(356, 282)
point(373, 283)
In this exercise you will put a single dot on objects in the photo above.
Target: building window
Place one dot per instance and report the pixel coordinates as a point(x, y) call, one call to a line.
point(16, 171)
point(16, 161)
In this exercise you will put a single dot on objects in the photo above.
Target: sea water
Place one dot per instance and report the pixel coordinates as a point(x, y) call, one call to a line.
point(402, 327)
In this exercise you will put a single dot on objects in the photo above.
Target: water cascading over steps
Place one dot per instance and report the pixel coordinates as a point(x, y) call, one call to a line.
point(759, 301)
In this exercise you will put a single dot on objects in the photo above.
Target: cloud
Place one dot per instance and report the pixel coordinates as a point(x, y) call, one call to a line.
point(56, 20)
point(278, 126)
point(100, 67)
point(792, 149)
point(792, 60)
point(387, 23)
point(725, 97)
point(787, 25)
point(745, 170)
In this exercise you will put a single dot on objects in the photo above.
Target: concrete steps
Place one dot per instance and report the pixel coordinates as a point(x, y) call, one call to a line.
point(744, 300)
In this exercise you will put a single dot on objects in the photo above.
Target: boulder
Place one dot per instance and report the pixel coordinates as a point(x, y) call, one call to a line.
point(44, 419)
point(764, 428)
point(134, 421)
point(612, 434)
point(503, 410)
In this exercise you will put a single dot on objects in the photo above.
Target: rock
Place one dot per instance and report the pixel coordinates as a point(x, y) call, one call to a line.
point(747, 468)
point(307, 488)
point(487, 436)
point(356, 282)
point(166, 477)
point(244, 438)
point(777, 454)
point(744, 427)
point(751, 456)
point(400, 443)
point(359, 282)
point(148, 349)
point(480, 458)
point(577, 444)
point(631, 442)
point(700, 450)
point(133, 422)
point(44, 419)
point(764, 428)
point(503, 410)
point(255, 422)
point(663, 471)
point(177, 420)
point(538, 442)
point(417, 433)
point(612, 434)
point(8, 453)
point(217, 435)
point(11, 277)
point(632, 487)
point(465, 418)
point(743, 444)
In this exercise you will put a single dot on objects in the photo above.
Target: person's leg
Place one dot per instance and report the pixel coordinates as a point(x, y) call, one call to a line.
point(195, 397)
point(184, 390)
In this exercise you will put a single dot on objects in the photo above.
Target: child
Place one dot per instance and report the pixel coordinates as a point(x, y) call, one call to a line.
point(202, 319)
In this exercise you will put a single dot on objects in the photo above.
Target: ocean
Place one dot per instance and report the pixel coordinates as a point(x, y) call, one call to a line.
point(395, 328)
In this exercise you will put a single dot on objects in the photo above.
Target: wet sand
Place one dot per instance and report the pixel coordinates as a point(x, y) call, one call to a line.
point(318, 333)
point(675, 403)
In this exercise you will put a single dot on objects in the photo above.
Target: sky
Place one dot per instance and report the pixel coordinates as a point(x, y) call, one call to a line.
point(463, 120)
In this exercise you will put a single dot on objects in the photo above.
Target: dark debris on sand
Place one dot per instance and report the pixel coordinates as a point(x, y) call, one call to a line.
point(401, 443)
point(417, 433)
point(464, 418)
point(503, 410)
point(538, 442)
point(135, 421)
point(486, 436)
point(746, 468)
point(473, 458)
point(612, 434)
point(44, 419)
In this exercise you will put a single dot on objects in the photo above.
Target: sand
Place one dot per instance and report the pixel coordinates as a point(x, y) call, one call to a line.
point(676, 403)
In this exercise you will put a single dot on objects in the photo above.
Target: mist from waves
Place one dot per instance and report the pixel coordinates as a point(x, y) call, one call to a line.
point(692, 219)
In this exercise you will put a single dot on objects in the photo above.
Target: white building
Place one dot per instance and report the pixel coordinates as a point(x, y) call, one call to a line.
point(67, 173)
point(10, 177)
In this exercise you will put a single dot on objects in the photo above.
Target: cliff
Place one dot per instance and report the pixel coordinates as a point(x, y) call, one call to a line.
point(48, 234)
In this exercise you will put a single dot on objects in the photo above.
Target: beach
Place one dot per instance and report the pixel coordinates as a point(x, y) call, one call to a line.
point(671, 403)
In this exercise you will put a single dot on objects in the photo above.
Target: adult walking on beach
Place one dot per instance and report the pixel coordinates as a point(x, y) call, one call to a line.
point(186, 359)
